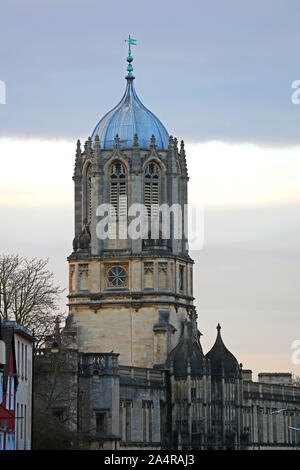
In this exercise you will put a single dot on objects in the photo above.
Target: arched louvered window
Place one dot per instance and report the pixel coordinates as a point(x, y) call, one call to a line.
point(118, 188)
point(88, 194)
point(151, 188)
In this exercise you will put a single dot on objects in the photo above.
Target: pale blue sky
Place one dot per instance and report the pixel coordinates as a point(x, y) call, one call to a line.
point(218, 74)
point(209, 70)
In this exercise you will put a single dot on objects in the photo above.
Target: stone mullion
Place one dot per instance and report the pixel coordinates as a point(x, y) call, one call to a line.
point(135, 182)
point(184, 201)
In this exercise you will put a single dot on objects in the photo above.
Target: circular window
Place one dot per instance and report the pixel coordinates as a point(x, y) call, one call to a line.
point(117, 276)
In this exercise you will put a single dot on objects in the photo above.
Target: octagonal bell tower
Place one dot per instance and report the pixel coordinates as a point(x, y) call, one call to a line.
point(130, 287)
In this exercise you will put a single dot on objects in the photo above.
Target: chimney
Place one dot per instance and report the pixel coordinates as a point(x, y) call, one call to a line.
point(247, 374)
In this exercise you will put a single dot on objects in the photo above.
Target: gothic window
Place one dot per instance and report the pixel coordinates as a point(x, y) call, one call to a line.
point(125, 420)
point(181, 278)
point(147, 410)
point(128, 421)
point(151, 188)
point(101, 423)
point(118, 189)
point(261, 424)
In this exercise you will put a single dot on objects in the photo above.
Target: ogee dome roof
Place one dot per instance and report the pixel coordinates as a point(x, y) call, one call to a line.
point(131, 117)
point(186, 352)
point(222, 360)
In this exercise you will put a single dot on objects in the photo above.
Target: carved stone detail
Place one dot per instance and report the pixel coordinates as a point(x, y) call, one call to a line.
point(162, 267)
point(83, 269)
point(148, 268)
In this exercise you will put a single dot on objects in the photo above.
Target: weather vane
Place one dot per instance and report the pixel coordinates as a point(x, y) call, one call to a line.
point(131, 42)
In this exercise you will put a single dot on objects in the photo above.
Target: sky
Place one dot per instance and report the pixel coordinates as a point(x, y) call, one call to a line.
point(218, 75)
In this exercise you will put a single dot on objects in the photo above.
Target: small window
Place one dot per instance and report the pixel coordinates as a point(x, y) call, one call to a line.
point(22, 358)
point(18, 423)
point(193, 393)
point(18, 361)
point(12, 442)
point(7, 442)
point(128, 421)
point(100, 423)
point(7, 393)
point(26, 362)
point(181, 278)
point(21, 422)
point(25, 425)
point(12, 393)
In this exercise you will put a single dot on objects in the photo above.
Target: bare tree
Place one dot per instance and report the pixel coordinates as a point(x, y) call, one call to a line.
point(28, 294)
point(55, 400)
point(56, 386)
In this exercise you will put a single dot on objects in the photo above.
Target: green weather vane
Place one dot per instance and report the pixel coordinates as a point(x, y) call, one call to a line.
point(131, 42)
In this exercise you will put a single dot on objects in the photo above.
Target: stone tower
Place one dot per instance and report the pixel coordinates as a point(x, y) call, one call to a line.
point(131, 294)
point(128, 369)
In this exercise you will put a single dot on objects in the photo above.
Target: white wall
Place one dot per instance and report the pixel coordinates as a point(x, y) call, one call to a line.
point(23, 348)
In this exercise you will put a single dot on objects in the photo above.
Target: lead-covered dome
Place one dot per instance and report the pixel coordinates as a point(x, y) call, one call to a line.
point(186, 353)
point(131, 117)
point(222, 361)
